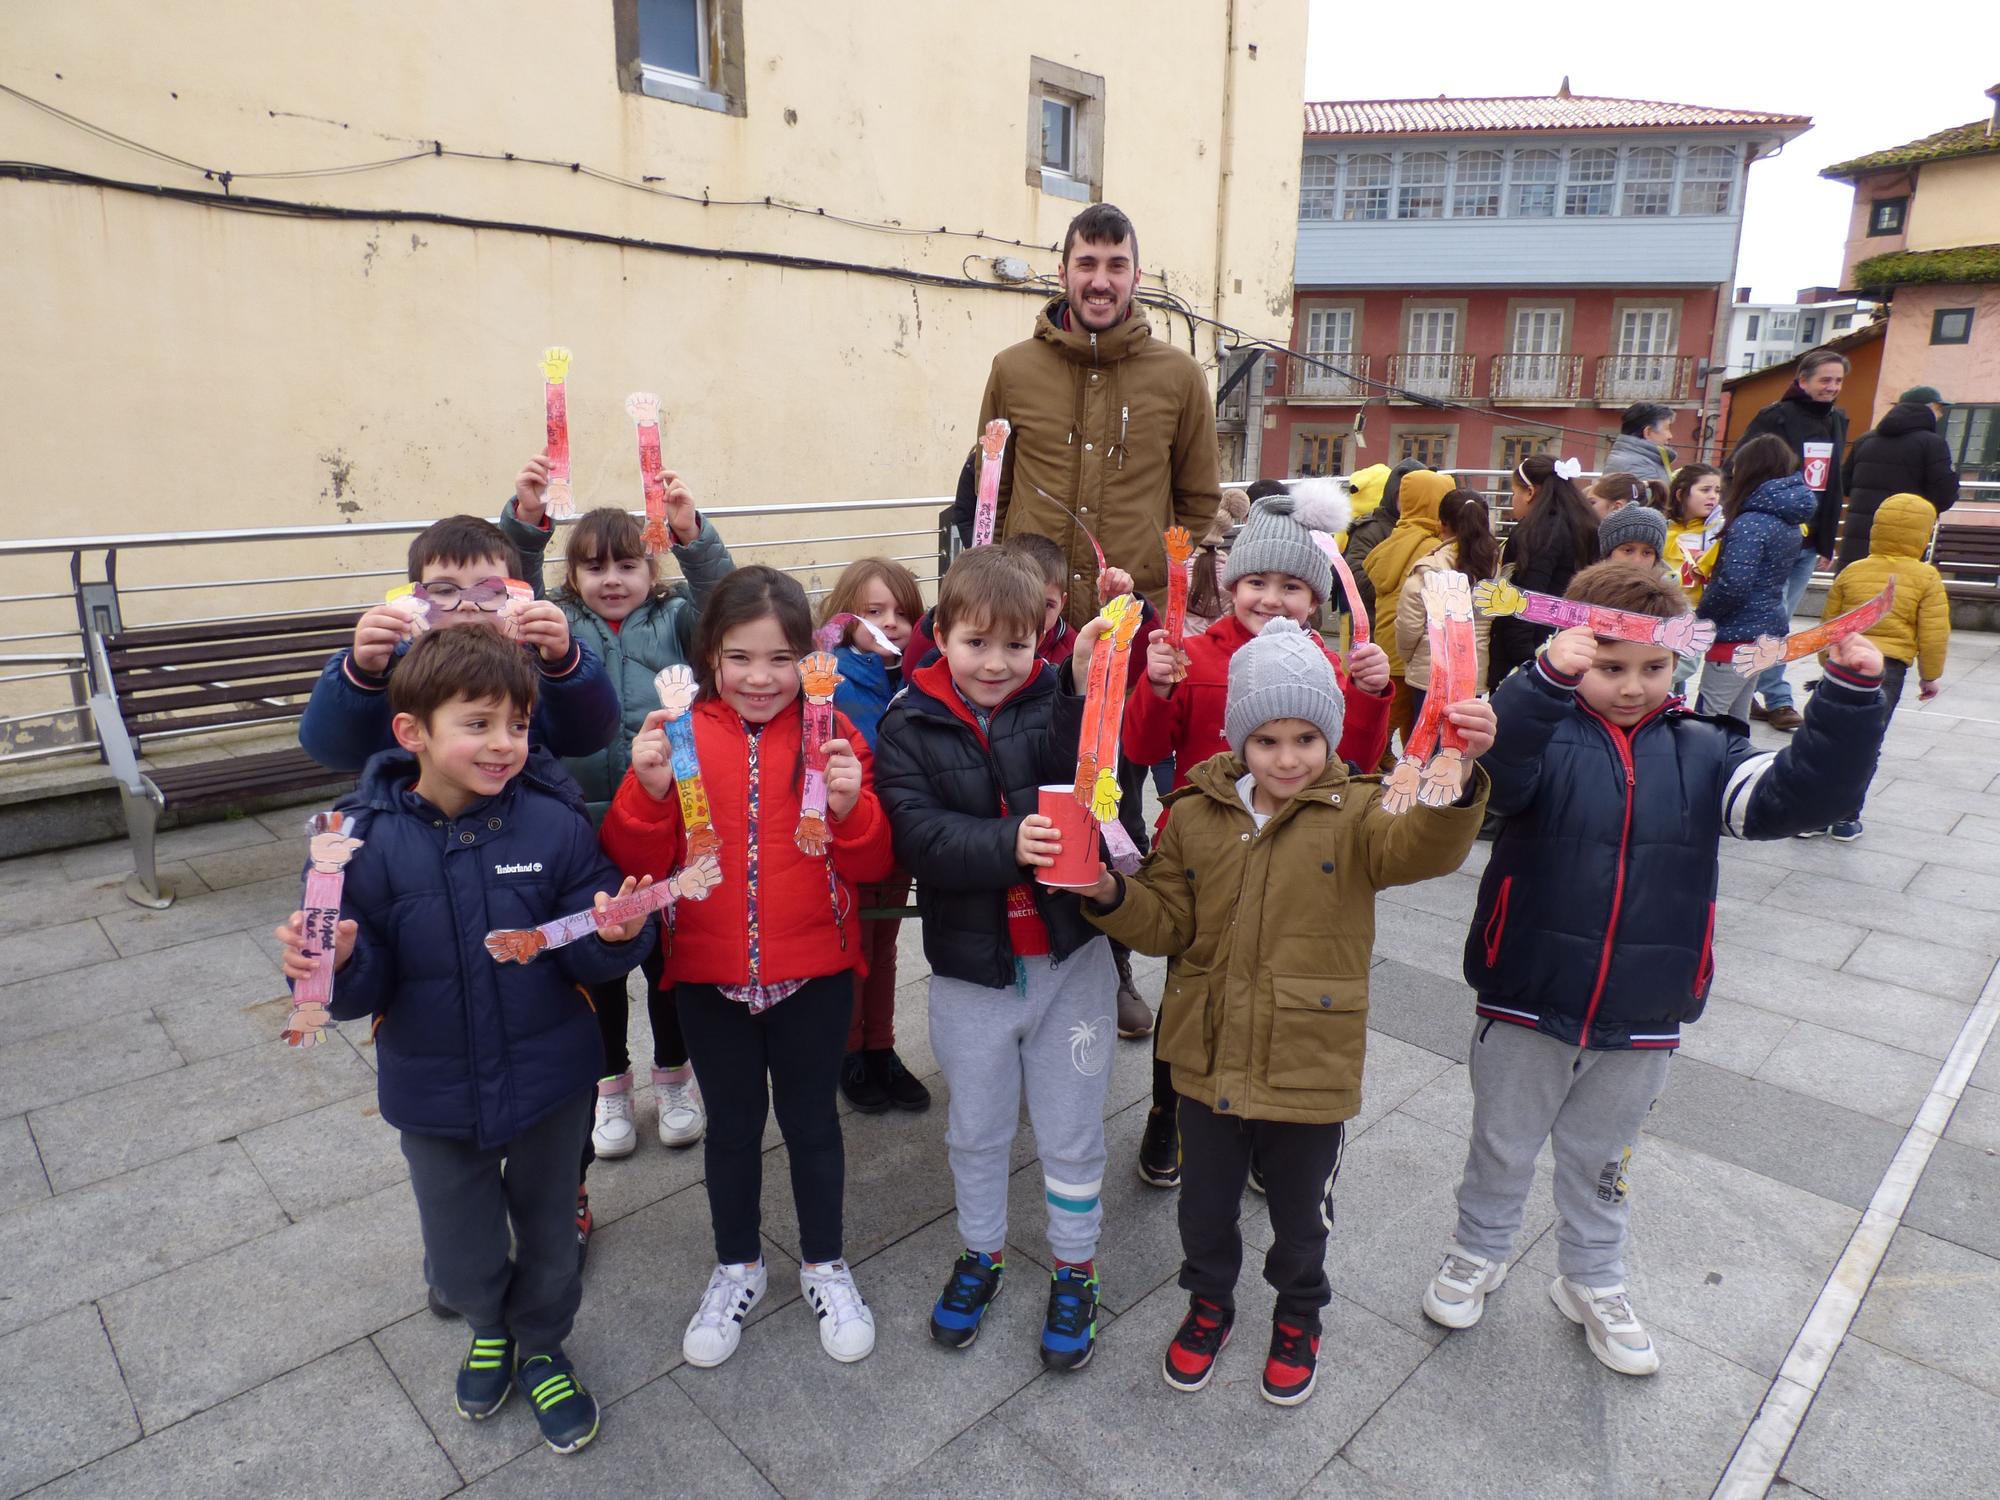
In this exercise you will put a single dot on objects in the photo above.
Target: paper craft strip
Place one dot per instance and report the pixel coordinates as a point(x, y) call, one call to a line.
point(644, 409)
point(555, 404)
point(820, 673)
point(1766, 651)
point(828, 635)
point(1180, 577)
point(1357, 612)
point(332, 845)
point(986, 502)
point(1430, 770)
point(1104, 709)
point(1089, 535)
point(520, 945)
point(1685, 635)
point(676, 687)
point(412, 606)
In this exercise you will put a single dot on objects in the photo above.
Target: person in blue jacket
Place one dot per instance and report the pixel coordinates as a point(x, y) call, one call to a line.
point(1765, 508)
point(458, 561)
point(1591, 942)
point(461, 830)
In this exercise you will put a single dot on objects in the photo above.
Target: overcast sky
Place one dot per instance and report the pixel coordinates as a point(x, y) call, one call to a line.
point(1866, 85)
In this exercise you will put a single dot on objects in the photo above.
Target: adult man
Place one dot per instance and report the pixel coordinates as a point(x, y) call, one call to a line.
point(1904, 455)
point(1113, 430)
point(1815, 429)
point(1641, 445)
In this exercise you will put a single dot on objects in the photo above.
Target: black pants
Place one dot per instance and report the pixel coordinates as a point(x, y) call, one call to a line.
point(797, 1046)
point(1893, 674)
point(1299, 1164)
point(466, 1202)
point(614, 1014)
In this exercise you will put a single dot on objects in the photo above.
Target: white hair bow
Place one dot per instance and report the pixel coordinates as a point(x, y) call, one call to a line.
point(1568, 468)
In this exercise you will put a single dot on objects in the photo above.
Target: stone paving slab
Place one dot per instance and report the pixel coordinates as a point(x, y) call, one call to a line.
point(1959, 1198)
point(1885, 1082)
point(114, 857)
point(53, 950)
point(1938, 1304)
point(54, 1070)
point(22, 1179)
point(1915, 962)
point(1887, 1428)
point(224, 971)
point(1976, 1121)
point(30, 906)
point(988, 1461)
point(327, 1156)
point(67, 1403)
point(1840, 1001)
point(1736, 1036)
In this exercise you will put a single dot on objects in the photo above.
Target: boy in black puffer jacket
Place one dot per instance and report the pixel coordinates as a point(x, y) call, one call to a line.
point(1591, 941)
point(1022, 987)
point(463, 830)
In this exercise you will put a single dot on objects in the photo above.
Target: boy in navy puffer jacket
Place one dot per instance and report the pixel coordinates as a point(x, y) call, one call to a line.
point(462, 831)
point(1590, 944)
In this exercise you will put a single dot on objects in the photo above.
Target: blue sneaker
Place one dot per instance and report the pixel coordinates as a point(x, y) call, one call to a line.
point(1846, 831)
point(566, 1412)
point(486, 1376)
point(1069, 1333)
point(974, 1283)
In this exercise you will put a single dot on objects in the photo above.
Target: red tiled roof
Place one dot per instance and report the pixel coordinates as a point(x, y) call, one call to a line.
point(1443, 116)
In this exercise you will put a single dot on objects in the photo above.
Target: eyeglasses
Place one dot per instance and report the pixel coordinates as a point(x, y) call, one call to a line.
point(486, 596)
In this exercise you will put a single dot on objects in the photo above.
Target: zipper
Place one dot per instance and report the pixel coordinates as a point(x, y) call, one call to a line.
point(1622, 743)
point(1496, 925)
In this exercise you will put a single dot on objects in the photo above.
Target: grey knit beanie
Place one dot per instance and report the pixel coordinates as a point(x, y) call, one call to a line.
point(1282, 674)
point(1278, 538)
point(1635, 523)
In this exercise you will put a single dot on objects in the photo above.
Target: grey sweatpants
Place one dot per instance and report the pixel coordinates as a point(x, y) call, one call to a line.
point(1057, 1041)
point(1526, 1089)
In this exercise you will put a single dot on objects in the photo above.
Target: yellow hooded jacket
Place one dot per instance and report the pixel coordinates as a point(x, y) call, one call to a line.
point(1918, 625)
point(1417, 532)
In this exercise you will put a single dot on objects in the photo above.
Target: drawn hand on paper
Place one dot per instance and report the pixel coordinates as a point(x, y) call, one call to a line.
point(694, 880)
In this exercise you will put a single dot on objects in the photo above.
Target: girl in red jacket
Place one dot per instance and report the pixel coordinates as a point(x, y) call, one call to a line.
point(765, 966)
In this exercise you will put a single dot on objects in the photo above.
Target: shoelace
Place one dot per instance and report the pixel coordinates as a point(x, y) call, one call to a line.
point(1458, 1268)
point(839, 1295)
point(1201, 1334)
point(615, 1106)
point(1071, 1312)
point(1616, 1310)
point(487, 1354)
point(675, 1097)
point(718, 1303)
point(1288, 1345)
point(968, 1283)
point(555, 1389)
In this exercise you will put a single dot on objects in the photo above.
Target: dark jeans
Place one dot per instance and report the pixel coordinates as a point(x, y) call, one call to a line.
point(1299, 1164)
point(1893, 673)
point(613, 1017)
point(787, 1058)
point(468, 1198)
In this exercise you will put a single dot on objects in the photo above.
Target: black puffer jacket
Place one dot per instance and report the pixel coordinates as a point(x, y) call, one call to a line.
point(1904, 455)
point(942, 783)
point(1596, 914)
point(1799, 420)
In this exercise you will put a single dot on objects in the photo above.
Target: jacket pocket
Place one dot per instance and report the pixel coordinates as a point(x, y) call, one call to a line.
point(1704, 972)
point(1318, 1033)
point(1496, 924)
point(1185, 1041)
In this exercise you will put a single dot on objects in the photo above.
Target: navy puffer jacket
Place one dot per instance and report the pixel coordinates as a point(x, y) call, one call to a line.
point(1596, 916)
point(465, 1046)
point(1746, 597)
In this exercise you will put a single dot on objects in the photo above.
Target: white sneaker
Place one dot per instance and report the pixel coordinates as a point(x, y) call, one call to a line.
point(717, 1325)
point(1616, 1336)
point(846, 1326)
point(1456, 1297)
point(682, 1118)
point(613, 1135)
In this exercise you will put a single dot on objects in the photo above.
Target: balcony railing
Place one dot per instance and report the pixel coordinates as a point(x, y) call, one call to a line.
point(1440, 375)
point(1316, 382)
point(1644, 377)
point(1537, 377)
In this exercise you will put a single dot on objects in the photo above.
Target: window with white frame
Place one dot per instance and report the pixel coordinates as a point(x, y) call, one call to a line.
point(683, 51)
point(1058, 134)
point(1420, 187)
point(1707, 175)
point(1329, 330)
point(1649, 182)
point(1784, 324)
point(1432, 330)
point(673, 40)
point(1476, 185)
point(1809, 328)
point(1319, 187)
point(1588, 188)
point(1065, 155)
point(1842, 321)
point(1367, 192)
point(1753, 327)
point(1538, 330)
point(1646, 330)
point(1536, 177)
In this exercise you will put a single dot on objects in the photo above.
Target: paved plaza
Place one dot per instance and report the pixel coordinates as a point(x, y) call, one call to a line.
point(212, 1284)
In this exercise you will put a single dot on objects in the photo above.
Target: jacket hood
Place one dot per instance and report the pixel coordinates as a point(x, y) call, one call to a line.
point(1788, 499)
point(1903, 527)
point(1910, 418)
point(1075, 342)
point(390, 774)
point(1365, 486)
point(1630, 443)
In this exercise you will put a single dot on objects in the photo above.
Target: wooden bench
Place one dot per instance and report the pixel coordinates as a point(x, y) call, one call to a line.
point(186, 678)
point(1969, 558)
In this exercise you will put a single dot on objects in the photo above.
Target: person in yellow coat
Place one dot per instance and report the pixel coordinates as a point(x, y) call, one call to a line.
point(1917, 628)
point(1417, 533)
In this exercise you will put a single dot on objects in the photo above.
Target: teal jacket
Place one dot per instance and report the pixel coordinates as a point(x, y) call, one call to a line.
point(659, 633)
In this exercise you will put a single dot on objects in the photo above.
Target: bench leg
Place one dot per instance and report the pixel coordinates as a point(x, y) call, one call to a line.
point(142, 817)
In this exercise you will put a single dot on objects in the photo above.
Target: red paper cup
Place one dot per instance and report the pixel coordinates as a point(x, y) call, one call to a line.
point(1077, 865)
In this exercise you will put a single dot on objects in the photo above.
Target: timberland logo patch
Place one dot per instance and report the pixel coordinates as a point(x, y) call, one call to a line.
point(521, 869)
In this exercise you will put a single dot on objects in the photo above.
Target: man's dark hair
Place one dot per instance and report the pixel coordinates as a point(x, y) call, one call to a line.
point(1263, 489)
point(1630, 587)
point(1101, 224)
point(1643, 414)
point(463, 662)
point(461, 541)
point(1818, 357)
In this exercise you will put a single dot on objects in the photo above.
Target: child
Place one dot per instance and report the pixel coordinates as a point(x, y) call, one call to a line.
point(1692, 500)
point(764, 968)
point(1635, 534)
point(1275, 570)
point(1590, 940)
point(1554, 538)
point(1207, 600)
point(1417, 532)
point(1764, 507)
point(1263, 883)
point(884, 593)
point(1613, 492)
point(1918, 626)
point(1022, 990)
point(481, 1063)
point(1469, 548)
point(460, 561)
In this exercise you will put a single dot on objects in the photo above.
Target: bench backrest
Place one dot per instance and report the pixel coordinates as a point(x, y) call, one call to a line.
point(213, 676)
point(1968, 554)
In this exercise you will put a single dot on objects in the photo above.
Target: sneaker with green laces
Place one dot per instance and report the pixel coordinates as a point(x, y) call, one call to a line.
point(485, 1377)
point(566, 1412)
point(1069, 1332)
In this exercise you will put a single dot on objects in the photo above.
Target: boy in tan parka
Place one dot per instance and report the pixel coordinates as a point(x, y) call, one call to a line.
point(1263, 884)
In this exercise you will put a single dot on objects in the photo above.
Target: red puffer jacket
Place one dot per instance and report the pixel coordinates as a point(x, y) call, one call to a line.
point(1188, 723)
point(708, 942)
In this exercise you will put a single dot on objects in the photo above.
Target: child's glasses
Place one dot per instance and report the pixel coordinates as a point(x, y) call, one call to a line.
point(486, 596)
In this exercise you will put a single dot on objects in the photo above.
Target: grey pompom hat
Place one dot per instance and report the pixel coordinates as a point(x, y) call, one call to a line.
point(1282, 674)
point(1277, 538)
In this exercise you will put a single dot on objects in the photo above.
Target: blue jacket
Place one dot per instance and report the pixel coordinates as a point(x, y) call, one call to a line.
point(868, 682)
point(466, 1046)
point(347, 718)
point(1596, 915)
point(1746, 597)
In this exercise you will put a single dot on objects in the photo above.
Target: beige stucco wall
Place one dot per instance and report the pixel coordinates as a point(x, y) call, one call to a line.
point(175, 366)
point(1961, 372)
point(1956, 203)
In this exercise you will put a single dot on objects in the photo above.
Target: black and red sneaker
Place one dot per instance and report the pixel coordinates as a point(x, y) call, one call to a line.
point(1292, 1365)
point(583, 1223)
point(1190, 1358)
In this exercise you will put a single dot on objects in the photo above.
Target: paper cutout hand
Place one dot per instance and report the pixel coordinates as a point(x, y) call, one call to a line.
point(676, 687)
point(1496, 596)
point(1758, 655)
point(643, 407)
point(1442, 779)
point(331, 851)
point(820, 673)
point(697, 878)
point(1400, 787)
point(555, 364)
